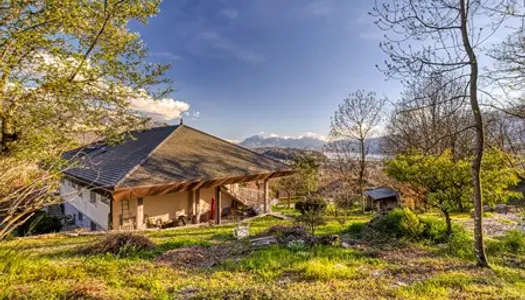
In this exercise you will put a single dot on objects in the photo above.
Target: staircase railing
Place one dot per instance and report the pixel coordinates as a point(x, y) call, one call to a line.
point(246, 195)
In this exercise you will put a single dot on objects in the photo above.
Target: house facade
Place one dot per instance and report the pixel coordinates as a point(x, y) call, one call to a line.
point(171, 174)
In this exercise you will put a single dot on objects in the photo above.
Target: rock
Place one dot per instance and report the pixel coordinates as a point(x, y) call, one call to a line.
point(329, 240)
point(400, 283)
point(263, 241)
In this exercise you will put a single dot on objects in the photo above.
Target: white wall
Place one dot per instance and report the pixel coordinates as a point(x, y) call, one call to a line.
point(80, 201)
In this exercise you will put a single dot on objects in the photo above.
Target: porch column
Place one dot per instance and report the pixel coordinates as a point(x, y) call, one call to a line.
point(267, 206)
point(218, 205)
point(193, 209)
point(197, 194)
point(140, 214)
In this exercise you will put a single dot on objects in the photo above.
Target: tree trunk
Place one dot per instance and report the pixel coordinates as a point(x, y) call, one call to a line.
point(479, 247)
point(362, 167)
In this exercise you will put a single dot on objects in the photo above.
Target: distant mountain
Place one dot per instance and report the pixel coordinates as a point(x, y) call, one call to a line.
point(374, 145)
point(259, 141)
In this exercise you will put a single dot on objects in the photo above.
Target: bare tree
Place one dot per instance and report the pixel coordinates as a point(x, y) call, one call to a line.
point(356, 119)
point(444, 37)
point(424, 120)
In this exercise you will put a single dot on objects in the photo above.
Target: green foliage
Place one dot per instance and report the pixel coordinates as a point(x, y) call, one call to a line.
point(434, 230)
point(311, 212)
point(460, 244)
point(41, 222)
point(70, 67)
point(446, 182)
point(399, 223)
point(356, 229)
point(513, 241)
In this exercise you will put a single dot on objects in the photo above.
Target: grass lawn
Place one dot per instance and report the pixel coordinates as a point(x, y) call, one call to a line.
point(51, 268)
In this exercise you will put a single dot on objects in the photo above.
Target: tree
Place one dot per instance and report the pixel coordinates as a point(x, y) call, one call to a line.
point(424, 120)
point(446, 182)
point(67, 68)
point(448, 36)
point(307, 169)
point(355, 120)
point(311, 212)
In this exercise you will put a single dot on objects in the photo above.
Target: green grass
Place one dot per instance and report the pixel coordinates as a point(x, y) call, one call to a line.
point(50, 268)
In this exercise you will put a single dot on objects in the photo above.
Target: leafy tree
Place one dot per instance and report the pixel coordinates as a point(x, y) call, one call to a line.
point(445, 182)
point(67, 68)
point(446, 37)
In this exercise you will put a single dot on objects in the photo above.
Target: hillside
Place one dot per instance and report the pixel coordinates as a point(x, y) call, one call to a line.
point(207, 263)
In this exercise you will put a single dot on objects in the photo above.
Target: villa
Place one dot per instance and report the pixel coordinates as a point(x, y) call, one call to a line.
point(160, 176)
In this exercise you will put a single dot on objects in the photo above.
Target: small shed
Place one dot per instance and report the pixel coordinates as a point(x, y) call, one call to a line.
point(382, 199)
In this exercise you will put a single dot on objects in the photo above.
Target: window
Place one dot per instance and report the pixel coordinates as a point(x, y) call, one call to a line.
point(80, 217)
point(92, 197)
point(92, 226)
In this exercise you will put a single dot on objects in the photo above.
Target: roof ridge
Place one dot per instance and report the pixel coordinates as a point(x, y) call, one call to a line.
point(238, 146)
point(132, 170)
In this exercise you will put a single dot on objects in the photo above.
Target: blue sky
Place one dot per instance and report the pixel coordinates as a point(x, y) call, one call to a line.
point(269, 66)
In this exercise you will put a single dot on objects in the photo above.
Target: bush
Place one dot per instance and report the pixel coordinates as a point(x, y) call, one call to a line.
point(311, 204)
point(121, 244)
point(460, 243)
point(434, 230)
point(356, 229)
point(311, 211)
point(513, 241)
point(399, 223)
point(40, 223)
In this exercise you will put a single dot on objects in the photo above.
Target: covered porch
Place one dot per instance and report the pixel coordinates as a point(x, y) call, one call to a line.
point(141, 209)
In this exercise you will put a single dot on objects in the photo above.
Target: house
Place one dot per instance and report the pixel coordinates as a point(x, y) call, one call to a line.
point(382, 199)
point(161, 175)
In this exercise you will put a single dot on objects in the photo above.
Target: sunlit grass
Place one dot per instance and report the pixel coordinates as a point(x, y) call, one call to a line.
point(51, 268)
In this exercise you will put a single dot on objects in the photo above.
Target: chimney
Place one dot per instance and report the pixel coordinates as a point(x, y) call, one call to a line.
point(181, 121)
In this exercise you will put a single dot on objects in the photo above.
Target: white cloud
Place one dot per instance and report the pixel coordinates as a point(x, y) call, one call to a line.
point(164, 109)
point(168, 55)
point(214, 45)
point(313, 135)
point(229, 13)
point(304, 135)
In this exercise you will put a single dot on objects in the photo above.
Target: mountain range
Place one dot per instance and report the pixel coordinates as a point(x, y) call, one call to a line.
point(374, 145)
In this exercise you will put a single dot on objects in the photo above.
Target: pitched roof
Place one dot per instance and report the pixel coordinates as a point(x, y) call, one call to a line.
point(165, 155)
point(381, 193)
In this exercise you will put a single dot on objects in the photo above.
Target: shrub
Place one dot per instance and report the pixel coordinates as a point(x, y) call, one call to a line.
point(399, 223)
point(356, 229)
point(41, 222)
point(460, 243)
point(434, 230)
point(311, 212)
point(513, 241)
point(121, 244)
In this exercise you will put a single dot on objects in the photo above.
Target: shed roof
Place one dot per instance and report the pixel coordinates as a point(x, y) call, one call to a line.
point(381, 193)
point(168, 155)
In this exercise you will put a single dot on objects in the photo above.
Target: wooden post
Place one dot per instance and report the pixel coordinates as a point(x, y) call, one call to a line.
point(193, 207)
point(267, 206)
point(218, 205)
point(198, 206)
point(140, 214)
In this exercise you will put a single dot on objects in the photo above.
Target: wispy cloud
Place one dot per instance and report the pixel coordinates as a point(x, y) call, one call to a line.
point(320, 8)
point(229, 13)
point(168, 55)
point(214, 45)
